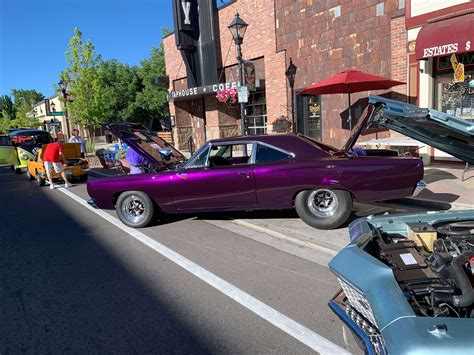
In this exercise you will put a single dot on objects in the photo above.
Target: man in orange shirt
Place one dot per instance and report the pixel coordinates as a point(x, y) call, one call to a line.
point(52, 156)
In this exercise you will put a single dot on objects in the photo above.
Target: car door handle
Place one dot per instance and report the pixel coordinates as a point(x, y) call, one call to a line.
point(244, 173)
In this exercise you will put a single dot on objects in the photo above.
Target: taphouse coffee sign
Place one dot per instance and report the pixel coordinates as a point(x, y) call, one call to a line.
point(192, 93)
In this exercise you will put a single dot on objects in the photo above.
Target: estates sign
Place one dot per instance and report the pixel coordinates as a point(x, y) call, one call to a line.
point(193, 93)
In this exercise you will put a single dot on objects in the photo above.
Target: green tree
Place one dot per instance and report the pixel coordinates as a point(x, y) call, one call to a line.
point(120, 87)
point(152, 100)
point(7, 112)
point(24, 100)
point(85, 84)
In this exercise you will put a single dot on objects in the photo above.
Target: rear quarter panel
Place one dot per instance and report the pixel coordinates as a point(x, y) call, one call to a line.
point(367, 178)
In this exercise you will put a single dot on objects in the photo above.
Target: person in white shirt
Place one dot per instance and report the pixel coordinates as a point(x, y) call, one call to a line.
point(76, 138)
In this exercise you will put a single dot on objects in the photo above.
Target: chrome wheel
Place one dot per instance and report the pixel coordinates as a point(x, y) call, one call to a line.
point(133, 209)
point(322, 203)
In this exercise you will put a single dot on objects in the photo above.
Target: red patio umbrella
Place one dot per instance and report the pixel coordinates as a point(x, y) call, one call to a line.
point(350, 81)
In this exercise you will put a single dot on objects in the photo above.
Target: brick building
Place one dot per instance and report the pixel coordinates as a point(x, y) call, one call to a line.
point(205, 118)
point(322, 38)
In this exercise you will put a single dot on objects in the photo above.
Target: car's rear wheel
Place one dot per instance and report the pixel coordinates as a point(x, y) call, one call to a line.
point(40, 180)
point(29, 176)
point(84, 177)
point(324, 208)
point(135, 209)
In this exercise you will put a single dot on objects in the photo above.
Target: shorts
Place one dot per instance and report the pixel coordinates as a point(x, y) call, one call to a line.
point(58, 167)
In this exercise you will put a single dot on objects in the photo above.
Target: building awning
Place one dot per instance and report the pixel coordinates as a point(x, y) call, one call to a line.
point(442, 38)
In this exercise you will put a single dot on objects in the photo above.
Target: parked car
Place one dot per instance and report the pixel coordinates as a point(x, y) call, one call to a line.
point(8, 154)
point(27, 143)
point(278, 172)
point(407, 283)
point(76, 168)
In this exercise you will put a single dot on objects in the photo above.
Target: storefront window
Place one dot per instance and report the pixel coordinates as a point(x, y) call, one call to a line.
point(455, 98)
point(309, 116)
point(256, 113)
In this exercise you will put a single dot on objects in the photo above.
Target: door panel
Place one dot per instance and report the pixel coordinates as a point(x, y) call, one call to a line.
point(214, 189)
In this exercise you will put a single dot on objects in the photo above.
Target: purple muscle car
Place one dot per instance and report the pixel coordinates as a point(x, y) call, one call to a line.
point(270, 172)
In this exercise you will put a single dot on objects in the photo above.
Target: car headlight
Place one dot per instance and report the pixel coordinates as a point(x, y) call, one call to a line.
point(24, 157)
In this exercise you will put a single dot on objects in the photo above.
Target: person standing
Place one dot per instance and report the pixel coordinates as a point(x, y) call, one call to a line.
point(135, 160)
point(76, 138)
point(52, 156)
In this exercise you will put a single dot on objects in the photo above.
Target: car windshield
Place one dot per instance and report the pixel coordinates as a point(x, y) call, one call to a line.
point(31, 139)
point(5, 141)
point(327, 148)
point(198, 159)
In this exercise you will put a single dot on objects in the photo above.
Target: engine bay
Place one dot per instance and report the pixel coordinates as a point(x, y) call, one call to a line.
point(433, 265)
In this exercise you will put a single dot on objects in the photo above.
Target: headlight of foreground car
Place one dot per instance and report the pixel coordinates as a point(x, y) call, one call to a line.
point(24, 157)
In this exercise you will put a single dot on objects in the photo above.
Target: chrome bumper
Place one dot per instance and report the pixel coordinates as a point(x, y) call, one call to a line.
point(420, 185)
point(91, 202)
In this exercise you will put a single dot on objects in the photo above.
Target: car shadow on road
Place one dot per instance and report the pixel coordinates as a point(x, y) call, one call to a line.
point(67, 288)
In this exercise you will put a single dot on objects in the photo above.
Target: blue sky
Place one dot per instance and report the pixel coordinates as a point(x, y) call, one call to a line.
point(34, 35)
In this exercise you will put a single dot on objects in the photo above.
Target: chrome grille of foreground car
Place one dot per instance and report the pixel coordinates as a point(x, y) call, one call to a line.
point(359, 302)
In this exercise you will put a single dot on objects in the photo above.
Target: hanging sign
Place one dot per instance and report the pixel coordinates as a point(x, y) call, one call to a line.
point(249, 75)
point(243, 94)
point(458, 69)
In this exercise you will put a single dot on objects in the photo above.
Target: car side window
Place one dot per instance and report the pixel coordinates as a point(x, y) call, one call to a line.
point(266, 154)
point(230, 154)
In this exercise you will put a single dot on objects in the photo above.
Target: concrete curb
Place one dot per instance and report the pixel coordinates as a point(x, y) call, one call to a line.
point(285, 237)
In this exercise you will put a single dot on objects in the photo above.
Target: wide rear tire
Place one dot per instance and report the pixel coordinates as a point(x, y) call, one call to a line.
point(84, 177)
point(135, 209)
point(324, 208)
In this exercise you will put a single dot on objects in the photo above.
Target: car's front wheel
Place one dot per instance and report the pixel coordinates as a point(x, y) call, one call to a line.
point(135, 209)
point(29, 176)
point(40, 180)
point(324, 208)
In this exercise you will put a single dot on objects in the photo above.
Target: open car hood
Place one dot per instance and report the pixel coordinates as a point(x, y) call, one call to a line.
point(146, 143)
point(447, 133)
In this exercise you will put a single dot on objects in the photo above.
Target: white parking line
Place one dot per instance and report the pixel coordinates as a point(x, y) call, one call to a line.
point(271, 315)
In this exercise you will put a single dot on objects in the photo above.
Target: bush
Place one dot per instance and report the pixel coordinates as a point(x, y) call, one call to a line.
point(99, 152)
point(90, 148)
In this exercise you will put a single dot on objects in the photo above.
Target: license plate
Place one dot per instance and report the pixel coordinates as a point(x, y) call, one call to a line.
point(68, 171)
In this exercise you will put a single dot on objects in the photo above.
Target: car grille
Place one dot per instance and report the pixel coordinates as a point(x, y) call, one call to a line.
point(359, 310)
point(359, 302)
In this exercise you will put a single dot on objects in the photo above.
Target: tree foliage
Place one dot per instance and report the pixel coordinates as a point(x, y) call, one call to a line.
point(85, 85)
point(18, 113)
point(153, 98)
point(106, 91)
point(120, 85)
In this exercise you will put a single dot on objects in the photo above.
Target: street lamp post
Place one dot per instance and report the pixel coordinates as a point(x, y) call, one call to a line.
point(63, 86)
point(290, 74)
point(238, 27)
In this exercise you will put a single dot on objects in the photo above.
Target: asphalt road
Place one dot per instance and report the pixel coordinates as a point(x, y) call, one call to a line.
point(72, 281)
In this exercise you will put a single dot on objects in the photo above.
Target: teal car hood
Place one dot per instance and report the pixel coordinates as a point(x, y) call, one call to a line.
point(447, 133)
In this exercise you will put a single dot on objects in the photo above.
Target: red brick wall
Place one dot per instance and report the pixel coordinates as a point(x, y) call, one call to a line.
point(259, 42)
point(322, 45)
